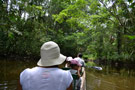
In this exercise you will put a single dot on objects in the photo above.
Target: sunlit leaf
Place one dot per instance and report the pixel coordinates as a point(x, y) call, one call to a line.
point(130, 37)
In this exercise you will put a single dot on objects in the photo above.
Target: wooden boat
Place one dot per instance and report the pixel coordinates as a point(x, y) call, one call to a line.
point(83, 83)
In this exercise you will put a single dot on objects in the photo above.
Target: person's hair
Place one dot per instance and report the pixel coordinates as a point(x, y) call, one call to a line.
point(80, 55)
point(72, 65)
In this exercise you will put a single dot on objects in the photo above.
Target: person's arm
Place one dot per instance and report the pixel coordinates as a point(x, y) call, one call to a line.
point(70, 87)
point(19, 86)
point(79, 72)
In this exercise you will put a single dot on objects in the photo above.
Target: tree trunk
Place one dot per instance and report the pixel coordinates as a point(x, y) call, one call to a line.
point(119, 44)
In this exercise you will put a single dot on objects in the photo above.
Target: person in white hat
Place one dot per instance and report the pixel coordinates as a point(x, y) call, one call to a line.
point(67, 65)
point(47, 75)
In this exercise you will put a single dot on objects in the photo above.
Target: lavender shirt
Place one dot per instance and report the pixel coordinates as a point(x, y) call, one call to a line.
point(39, 78)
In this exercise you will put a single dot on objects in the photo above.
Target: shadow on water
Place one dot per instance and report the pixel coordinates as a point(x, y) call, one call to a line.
point(10, 71)
point(110, 79)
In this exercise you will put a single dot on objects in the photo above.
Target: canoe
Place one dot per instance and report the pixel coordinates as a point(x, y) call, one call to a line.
point(83, 83)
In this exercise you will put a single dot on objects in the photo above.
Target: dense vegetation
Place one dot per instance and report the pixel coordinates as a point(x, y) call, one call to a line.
point(101, 29)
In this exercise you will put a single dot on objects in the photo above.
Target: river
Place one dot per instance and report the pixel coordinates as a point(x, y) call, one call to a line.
point(96, 80)
point(111, 80)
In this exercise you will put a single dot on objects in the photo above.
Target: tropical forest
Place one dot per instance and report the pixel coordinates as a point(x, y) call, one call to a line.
point(102, 30)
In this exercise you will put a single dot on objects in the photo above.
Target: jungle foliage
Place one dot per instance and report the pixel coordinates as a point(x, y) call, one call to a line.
point(102, 29)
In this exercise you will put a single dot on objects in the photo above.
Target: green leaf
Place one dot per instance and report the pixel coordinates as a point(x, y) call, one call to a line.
point(39, 7)
point(95, 16)
point(10, 35)
point(130, 37)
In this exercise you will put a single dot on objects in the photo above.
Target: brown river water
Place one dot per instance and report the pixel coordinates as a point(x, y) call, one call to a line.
point(107, 79)
point(98, 80)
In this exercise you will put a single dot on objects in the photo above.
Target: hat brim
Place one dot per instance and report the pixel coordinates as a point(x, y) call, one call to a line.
point(53, 62)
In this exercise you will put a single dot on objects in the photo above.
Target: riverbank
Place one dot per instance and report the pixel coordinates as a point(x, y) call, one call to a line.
point(109, 67)
point(20, 57)
point(118, 64)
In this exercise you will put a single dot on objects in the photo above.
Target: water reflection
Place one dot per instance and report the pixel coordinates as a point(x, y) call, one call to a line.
point(114, 81)
point(10, 71)
point(8, 85)
point(108, 79)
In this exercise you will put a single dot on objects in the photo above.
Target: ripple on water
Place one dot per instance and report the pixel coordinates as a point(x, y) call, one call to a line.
point(113, 81)
point(8, 85)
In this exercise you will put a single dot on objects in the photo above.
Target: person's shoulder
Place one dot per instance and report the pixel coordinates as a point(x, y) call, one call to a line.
point(28, 70)
point(77, 58)
point(64, 71)
point(25, 71)
point(81, 59)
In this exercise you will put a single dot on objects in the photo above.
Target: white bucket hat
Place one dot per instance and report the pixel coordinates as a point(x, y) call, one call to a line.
point(50, 55)
point(69, 58)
